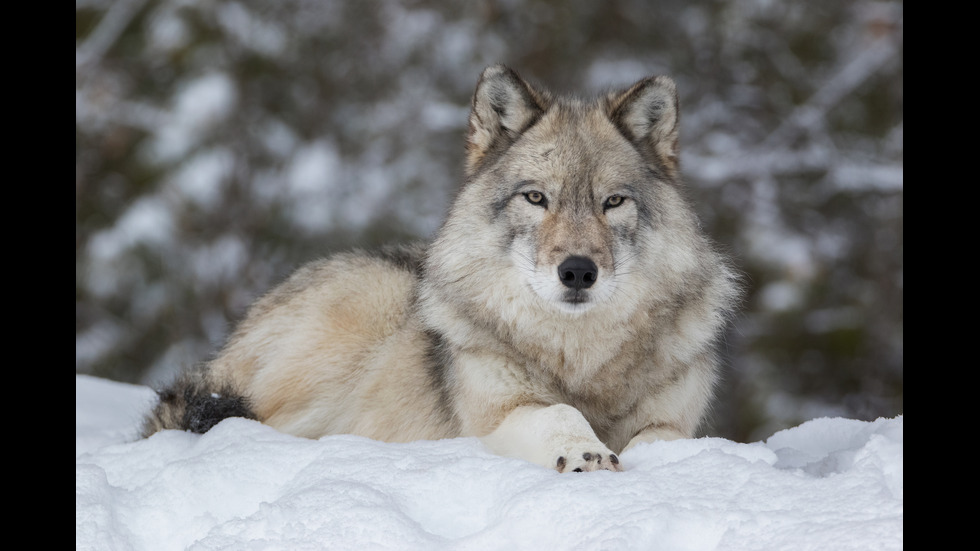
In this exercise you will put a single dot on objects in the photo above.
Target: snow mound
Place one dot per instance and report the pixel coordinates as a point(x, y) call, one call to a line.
point(827, 484)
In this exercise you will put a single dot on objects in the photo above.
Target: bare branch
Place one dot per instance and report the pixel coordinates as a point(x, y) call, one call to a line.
point(113, 23)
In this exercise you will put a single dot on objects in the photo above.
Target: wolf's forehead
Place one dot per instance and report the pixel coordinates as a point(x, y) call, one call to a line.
point(578, 145)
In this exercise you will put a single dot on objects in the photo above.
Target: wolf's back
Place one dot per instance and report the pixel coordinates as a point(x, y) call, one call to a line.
point(304, 356)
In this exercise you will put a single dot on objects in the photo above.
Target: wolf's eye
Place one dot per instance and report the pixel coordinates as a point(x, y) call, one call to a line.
point(535, 198)
point(613, 201)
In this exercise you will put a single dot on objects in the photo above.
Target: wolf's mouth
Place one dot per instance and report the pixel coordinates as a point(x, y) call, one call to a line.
point(576, 296)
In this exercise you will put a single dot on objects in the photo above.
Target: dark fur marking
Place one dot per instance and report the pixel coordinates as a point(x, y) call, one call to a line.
point(614, 459)
point(641, 195)
point(505, 196)
point(561, 464)
point(625, 234)
point(509, 238)
point(499, 205)
point(204, 411)
point(191, 404)
point(654, 112)
point(437, 361)
point(408, 257)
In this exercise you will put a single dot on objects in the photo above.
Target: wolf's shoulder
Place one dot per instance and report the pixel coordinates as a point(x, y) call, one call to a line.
point(409, 257)
point(401, 257)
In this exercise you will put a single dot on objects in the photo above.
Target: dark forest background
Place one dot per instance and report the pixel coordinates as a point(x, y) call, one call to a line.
point(220, 144)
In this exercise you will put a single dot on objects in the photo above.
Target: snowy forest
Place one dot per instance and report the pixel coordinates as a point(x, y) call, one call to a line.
point(220, 144)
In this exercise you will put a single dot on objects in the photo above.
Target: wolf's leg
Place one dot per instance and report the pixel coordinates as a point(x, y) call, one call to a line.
point(558, 437)
point(657, 431)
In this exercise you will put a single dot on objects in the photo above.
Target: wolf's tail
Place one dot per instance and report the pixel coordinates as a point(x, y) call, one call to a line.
point(195, 403)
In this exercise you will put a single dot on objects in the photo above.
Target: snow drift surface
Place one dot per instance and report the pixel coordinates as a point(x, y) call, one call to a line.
point(829, 484)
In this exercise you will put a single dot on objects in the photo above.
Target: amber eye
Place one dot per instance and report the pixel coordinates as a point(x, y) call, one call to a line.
point(614, 201)
point(535, 197)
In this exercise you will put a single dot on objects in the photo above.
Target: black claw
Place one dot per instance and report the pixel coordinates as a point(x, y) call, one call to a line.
point(587, 456)
point(614, 459)
point(561, 464)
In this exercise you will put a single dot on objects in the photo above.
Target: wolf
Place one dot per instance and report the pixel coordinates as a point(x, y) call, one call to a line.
point(568, 308)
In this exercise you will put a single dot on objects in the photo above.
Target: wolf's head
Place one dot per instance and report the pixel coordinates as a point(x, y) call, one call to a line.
point(569, 204)
point(505, 106)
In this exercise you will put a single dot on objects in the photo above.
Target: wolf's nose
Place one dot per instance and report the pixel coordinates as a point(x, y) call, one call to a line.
point(577, 272)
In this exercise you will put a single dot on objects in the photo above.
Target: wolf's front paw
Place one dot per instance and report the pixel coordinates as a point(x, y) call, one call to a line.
point(588, 461)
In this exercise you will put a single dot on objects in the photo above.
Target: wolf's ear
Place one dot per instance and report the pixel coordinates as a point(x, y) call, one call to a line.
point(504, 106)
point(647, 114)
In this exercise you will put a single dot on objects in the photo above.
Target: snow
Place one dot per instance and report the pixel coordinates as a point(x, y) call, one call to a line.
point(826, 484)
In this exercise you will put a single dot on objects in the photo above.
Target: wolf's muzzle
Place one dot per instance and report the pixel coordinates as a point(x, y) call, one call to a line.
point(578, 272)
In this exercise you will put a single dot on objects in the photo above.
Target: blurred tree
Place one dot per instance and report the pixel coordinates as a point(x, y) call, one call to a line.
point(219, 144)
